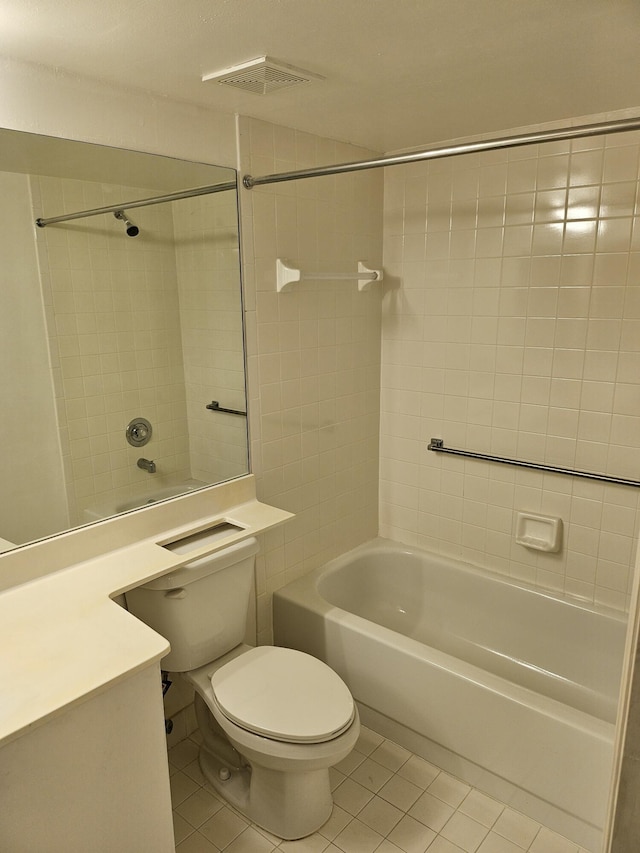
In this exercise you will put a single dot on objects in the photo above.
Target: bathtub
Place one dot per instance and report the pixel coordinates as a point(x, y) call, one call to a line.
point(510, 688)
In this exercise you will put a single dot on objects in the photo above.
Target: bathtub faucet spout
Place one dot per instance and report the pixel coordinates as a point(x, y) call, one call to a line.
point(147, 465)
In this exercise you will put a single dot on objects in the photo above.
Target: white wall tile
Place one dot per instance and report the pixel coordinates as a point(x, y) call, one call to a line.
point(552, 373)
point(316, 396)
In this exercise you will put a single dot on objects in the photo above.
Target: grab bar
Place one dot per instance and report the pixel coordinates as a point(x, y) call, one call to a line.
point(437, 445)
point(215, 406)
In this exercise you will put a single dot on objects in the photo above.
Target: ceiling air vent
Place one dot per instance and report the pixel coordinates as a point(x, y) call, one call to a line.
point(262, 76)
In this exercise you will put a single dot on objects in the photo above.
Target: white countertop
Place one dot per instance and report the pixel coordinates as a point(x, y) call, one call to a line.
point(63, 639)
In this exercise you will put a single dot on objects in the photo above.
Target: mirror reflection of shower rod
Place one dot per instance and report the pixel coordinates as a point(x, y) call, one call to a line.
point(143, 202)
point(215, 406)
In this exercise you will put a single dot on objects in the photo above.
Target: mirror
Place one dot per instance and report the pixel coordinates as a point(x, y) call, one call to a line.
point(101, 331)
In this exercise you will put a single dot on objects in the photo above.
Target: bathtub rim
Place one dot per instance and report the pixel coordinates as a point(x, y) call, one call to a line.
point(381, 544)
point(305, 592)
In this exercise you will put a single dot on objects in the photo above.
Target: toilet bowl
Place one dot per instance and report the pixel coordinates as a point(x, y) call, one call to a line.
point(298, 722)
point(273, 720)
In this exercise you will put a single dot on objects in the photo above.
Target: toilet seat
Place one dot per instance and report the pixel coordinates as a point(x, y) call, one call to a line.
point(284, 695)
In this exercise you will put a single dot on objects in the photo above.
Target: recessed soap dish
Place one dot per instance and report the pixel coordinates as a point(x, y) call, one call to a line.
point(539, 532)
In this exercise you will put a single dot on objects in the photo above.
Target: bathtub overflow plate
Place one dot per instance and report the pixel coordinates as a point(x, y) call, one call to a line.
point(139, 432)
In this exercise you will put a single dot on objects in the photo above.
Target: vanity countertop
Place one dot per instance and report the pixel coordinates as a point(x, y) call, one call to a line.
point(63, 638)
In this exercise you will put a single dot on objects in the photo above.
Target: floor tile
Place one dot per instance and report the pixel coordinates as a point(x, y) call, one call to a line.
point(391, 755)
point(388, 847)
point(349, 764)
point(516, 827)
point(448, 789)
point(494, 843)
point(199, 807)
point(548, 842)
point(194, 772)
point(411, 836)
point(371, 775)
point(351, 796)
point(418, 771)
point(315, 843)
point(464, 831)
point(443, 845)
point(181, 828)
point(181, 788)
point(381, 815)
point(196, 843)
point(250, 841)
point(482, 808)
point(336, 823)
point(223, 827)
point(400, 792)
point(183, 753)
point(357, 837)
point(431, 811)
point(336, 777)
point(386, 800)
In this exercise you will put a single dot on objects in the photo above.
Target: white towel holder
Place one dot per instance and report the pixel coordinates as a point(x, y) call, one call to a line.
point(286, 276)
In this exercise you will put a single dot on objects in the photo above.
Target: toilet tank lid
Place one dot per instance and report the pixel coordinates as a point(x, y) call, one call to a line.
point(204, 566)
point(285, 695)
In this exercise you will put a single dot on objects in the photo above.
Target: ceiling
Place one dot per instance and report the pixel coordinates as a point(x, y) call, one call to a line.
point(397, 73)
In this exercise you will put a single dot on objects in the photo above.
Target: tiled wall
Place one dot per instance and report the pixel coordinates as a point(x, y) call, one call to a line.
point(511, 326)
point(208, 269)
point(32, 498)
point(313, 353)
point(112, 305)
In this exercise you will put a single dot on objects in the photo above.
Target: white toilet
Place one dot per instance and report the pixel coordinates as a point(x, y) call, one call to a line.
point(273, 720)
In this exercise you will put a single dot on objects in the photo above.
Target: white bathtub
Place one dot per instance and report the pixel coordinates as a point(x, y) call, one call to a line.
point(512, 689)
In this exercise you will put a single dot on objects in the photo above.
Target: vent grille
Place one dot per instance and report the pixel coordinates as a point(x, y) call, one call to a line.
point(262, 76)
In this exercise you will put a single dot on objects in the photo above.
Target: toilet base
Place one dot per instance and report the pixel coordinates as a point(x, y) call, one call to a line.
point(289, 805)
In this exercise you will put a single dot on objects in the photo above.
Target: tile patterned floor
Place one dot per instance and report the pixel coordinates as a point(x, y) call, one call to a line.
point(385, 800)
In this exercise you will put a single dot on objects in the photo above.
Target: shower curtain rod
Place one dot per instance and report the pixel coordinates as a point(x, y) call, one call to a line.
point(599, 129)
point(144, 202)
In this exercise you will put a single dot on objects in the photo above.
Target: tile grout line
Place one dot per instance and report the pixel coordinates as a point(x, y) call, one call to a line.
point(418, 811)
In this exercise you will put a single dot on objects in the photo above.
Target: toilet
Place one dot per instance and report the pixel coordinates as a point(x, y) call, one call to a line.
point(273, 720)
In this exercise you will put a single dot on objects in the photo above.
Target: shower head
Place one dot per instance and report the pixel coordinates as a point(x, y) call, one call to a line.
point(132, 230)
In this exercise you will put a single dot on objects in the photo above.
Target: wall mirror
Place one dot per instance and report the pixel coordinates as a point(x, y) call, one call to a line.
point(118, 333)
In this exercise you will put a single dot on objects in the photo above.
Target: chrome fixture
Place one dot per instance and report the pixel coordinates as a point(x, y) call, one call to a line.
point(437, 445)
point(132, 230)
point(558, 135)
point(215, 406)
point(139, 432)
point(42, 222)
point(147, 465)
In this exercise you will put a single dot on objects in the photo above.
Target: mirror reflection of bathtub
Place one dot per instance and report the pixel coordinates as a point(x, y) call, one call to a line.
point(98, 328)
point(144, 498)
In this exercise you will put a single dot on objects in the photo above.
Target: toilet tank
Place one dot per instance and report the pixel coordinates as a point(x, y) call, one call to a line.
point(200, 608)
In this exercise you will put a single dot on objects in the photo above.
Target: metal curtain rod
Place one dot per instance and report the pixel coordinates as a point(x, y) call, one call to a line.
point(437, 445)
point(451, 151)
point(144, 202)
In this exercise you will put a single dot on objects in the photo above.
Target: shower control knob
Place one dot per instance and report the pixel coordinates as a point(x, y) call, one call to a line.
point(139, 432)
